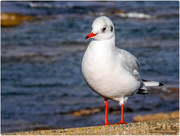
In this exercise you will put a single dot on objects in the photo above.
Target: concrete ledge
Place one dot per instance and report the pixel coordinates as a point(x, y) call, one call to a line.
point(165, 127)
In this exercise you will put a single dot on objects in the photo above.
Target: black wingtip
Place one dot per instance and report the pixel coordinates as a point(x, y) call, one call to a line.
point(161, 84)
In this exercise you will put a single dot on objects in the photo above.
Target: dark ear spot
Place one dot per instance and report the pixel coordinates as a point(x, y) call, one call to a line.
point(111, 28)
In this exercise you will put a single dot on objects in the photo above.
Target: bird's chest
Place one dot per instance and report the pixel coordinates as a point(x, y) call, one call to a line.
point(96, 68)
point(97, 65)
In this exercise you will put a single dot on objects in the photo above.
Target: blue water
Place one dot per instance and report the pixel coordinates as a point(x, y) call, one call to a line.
point(41, 61)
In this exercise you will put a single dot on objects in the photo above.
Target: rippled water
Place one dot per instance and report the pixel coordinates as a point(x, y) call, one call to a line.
point(41, 60)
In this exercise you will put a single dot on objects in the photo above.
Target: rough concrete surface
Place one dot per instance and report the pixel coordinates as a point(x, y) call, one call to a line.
point(164, 127)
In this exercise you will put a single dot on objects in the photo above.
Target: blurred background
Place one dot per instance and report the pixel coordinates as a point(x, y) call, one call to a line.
point(42, 45)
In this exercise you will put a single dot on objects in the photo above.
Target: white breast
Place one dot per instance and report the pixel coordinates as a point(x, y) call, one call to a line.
point(102, 70)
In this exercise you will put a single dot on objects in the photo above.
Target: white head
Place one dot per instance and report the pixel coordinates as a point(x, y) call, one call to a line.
point(102, 29)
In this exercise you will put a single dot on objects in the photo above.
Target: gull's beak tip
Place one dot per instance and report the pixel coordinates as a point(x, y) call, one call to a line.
point(90, 35)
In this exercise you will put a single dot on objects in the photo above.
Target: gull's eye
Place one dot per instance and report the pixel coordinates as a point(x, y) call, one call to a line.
point(104, 29)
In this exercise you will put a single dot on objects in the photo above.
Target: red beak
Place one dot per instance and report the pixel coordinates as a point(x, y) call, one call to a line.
point(90, 35)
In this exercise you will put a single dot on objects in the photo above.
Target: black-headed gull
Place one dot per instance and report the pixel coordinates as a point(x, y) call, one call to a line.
point(109, 71)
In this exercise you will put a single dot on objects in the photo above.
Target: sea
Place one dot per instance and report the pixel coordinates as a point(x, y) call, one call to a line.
point(41, 78)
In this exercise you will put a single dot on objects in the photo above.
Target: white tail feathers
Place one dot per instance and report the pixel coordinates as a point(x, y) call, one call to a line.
point(151, 83)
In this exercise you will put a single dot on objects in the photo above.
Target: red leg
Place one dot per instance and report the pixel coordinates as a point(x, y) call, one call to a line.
point(121, 122)
point(106, 112)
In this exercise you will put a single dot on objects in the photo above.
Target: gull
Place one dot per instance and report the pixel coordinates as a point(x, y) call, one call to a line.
point(110, 71)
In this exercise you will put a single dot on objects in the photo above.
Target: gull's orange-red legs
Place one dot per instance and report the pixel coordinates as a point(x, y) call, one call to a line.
point(121, 122)
point(106, 112)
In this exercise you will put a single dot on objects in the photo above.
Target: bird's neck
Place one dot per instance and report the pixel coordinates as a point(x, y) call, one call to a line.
point(108, 42)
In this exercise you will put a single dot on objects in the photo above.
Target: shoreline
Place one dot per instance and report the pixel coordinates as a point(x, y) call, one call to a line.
point(98, 112)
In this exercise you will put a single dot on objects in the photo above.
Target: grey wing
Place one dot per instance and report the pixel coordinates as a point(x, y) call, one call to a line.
point(132, 65)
